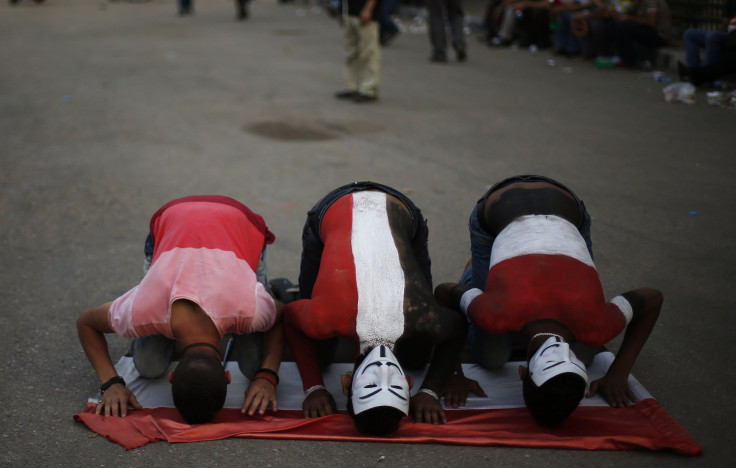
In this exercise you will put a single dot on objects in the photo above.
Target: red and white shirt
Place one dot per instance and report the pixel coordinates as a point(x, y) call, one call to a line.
point(207, 249)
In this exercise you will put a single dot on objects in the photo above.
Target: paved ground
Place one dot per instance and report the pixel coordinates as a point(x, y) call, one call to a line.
point(109, 109)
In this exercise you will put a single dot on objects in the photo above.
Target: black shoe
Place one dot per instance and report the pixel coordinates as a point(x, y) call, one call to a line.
point(347, 94)
point(387, 38)
point(462, 55)
point(438, 58)
point(361, 98)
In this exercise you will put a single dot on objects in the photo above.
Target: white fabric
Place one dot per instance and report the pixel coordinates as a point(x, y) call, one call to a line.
point(380, 317)
point(539, 234)
point(503, 385)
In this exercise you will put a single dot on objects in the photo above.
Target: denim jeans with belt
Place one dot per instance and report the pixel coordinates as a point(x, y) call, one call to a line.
point(493, 351)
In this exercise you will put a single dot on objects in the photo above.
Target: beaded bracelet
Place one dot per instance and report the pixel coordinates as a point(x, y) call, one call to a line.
point(269, 376)
point(430, 393)
point(313, 389)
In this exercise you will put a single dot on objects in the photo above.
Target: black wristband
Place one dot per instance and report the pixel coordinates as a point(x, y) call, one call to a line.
point(269, 371)
point(115, 380)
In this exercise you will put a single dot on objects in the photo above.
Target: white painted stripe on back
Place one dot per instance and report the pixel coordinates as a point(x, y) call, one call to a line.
point(378, 272)
point(624, 306)
point(539, 234)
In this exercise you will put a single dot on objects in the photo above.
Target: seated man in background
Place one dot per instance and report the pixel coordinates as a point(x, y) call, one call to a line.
point(201, 285)
point(365, 275)
point(719, 48)
point(533, 274)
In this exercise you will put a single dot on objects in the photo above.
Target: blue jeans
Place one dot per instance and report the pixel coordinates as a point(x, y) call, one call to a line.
point(153, 354)
point(493, 351)
point(564, 39)
point(627, 33)
point(387, 24)
point(711, 41)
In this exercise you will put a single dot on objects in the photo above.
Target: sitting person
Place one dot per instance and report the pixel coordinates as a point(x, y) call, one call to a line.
point(646, 23)
point(204, 252)
point(719, 48)
point(565, 39)
point(365, 275)
point(532, 274)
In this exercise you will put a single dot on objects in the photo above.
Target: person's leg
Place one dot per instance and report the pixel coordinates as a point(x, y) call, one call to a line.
point(352, 52)
point(413, 353)
point(489, 351)
point(601, 33)
point(480, 250)
point(242, 8)
point(248, 351)
point(508, 24)
point(388, 27)
point(437, 33)
point(456, 18)
point(714, 46)
point(627, 33)
point(369, 60)
point(694, 40)
point(326, 350)
point(538, 29)
point(152, 355)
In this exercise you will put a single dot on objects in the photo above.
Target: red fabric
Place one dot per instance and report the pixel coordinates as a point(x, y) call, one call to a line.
point(532, 287)
point(645, 425)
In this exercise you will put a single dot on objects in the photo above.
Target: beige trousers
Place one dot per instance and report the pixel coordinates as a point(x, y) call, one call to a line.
point(362, 56)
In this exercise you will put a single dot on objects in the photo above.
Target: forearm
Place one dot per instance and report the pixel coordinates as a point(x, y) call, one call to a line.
point(304, 351)
point(638, 330)
point(91, 329)
point(273, 347)
point(445, 358)
point(446, 355)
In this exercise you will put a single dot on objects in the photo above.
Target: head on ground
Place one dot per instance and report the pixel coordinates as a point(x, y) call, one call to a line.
point(378, 395)
point(199, 386)
point(554, 382)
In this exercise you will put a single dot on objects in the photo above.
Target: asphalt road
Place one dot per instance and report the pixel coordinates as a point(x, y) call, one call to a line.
point(110, 109)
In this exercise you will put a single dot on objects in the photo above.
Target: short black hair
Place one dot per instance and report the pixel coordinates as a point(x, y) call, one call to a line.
point(378, 421)
point(555, 400)
point(199, 387)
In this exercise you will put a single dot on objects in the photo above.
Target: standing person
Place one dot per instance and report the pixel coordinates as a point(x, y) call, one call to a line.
point(532, 274)
point(441, 14)
point(206, 279)
point(186, 7)
point(242, 9)
point(362, 50)
point(365, 275)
